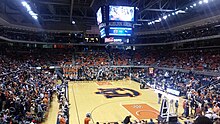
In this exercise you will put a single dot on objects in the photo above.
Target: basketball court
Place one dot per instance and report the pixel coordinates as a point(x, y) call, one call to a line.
point(112, 101)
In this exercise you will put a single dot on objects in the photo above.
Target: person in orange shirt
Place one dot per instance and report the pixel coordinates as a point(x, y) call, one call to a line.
point(45, 101)
point(62, 119)
point(87, 119)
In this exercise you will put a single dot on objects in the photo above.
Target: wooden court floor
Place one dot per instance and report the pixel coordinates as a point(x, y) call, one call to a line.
point(111, 101)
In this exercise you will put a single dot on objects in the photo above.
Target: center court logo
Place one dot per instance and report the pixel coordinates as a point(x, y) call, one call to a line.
point(118, 92)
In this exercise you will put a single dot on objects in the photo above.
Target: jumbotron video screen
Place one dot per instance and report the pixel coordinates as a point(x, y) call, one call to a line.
point(121, 13)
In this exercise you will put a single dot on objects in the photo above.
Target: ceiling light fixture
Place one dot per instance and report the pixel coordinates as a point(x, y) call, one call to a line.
point(205, 1)
point(29, 10)
point(200, 2)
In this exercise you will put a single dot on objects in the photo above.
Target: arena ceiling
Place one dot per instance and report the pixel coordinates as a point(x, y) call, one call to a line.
point(59, 14)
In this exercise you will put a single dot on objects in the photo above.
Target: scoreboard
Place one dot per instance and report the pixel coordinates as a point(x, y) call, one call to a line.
point(116, 21)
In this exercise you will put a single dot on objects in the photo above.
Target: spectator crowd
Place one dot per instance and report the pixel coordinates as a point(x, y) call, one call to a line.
point(191, 33)
point(25, 93)
point(39, 36)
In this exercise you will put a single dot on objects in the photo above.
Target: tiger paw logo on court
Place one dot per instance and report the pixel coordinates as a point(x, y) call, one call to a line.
point(118, 92)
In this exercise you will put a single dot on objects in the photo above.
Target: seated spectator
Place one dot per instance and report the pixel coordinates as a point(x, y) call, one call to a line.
point(202, 120)
point(151, 121)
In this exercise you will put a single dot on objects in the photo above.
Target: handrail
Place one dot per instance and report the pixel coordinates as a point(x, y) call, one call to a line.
point(212, 83)
point(64, 82)
point(98, 44)
point(164, 68)
point(9, 73)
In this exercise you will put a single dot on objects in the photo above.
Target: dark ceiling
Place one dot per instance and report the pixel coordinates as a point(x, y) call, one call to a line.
point(58, 14)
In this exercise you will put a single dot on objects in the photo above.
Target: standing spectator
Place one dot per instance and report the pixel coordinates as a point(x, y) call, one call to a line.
point(198, 110)
point(192, 105)
point(187, 109)
point(159, 97)
point(184, 108)
point(176, 106)
point(40, 111)
point(203, 107)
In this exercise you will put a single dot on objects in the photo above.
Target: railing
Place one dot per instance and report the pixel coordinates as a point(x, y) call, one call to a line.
point(172, 69)
point(9, 73)
point(66, 95)
point(98, 44)
point(207, 73)
point(212, 83)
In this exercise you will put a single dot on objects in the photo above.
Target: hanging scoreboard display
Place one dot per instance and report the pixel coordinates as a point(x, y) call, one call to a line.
point(116, 21)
